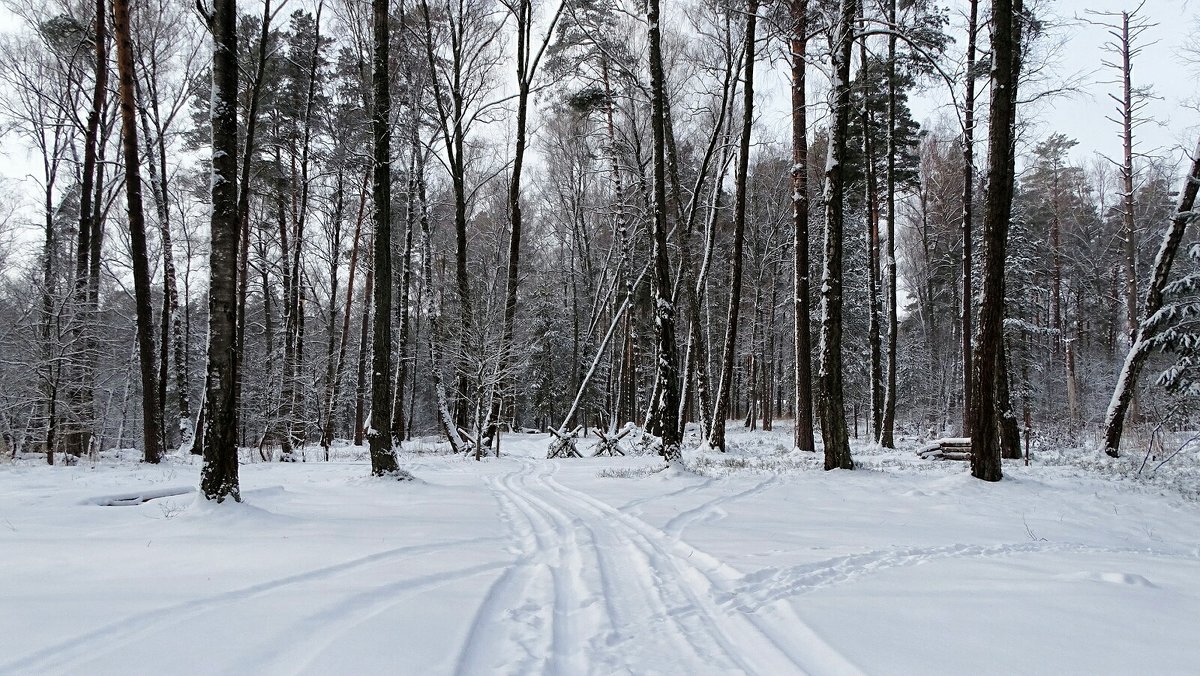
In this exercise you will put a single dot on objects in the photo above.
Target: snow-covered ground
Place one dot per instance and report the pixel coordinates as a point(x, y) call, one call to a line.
point(757, 563)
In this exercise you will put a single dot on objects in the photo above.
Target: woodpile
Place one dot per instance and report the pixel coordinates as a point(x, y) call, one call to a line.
point(950, 448)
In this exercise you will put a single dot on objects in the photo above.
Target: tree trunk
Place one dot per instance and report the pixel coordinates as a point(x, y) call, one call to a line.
point(874, 304)
point(832, 406)
point(360, 390)
point(1006, 51)
point(716, 429)
point(1006, 417)
point(887, 432)
point(331, 394)
point(242, 196)
point(1139, 351)
point(79, 438)
point(219, 477)
point(968, 208)
point(802, 329)
point(151, 413)
point(383, 454)
point(666, 402)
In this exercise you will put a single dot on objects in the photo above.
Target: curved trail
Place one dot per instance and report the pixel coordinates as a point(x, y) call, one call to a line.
point(596, 590)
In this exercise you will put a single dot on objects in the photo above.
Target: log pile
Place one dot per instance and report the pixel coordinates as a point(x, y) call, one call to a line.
point(950, 448)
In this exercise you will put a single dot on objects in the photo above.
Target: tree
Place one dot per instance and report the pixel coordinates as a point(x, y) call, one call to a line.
point(379, 437)
point(1152, 322)
point(219, 476)
point(989, 334)
point(968, 211)
point(802, 331)
point(151, 413)
point(529, 58)
point(831, 404)
point(666, 401)
point(716, 432)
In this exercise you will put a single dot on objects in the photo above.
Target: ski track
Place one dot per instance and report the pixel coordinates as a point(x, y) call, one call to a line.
point(675, 527)
point(770, 585)
point(754, 642)
point(692, 488)
point(294, 649)
point(640, 609)
point(501, 618)
point(77, 651)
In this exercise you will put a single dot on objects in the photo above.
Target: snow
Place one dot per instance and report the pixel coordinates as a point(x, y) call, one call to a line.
point(754, 561)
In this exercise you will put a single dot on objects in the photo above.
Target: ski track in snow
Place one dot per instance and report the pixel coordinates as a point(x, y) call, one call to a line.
point(69, 655)
point(603, 589)
point(637, 502)
point(754, 642)
point(681, 521)
point(770, 585)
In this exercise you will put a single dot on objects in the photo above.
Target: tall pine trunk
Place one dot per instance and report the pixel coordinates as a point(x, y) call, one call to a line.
point(968, 209)
point(802, 333)
point(887, 432)
point(985, 435)
point(151, 413)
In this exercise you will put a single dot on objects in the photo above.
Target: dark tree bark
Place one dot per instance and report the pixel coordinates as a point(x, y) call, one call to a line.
point(802, 329)
point(832, 406)
point(383, 453)
point(716, 430)
point(1006, 417)
point(219, 477)
point(1006, 53)
point(78, 440)
point(968, 208)
point(666, 401)
point(152, 441)
point(886, 433)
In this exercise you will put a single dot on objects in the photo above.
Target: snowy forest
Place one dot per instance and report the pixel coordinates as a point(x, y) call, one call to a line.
point(287, 225)
point(599, 337)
